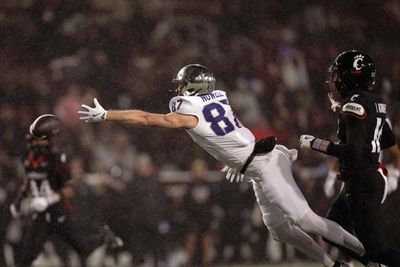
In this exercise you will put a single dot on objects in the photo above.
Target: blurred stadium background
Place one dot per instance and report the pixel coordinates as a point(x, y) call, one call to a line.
point(155, 188)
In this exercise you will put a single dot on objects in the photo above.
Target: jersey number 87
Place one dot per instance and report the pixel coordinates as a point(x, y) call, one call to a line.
point(215, 113)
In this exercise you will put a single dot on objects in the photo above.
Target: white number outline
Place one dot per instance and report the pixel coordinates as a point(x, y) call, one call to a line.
point(376, 142)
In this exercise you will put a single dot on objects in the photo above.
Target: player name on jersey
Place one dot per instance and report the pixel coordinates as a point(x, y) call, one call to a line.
point(211, 96)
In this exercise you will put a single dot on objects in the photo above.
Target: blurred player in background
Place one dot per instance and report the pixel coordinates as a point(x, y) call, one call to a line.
point(44, 199)
point(363, 131)
point(208, 118)
point(199, 201)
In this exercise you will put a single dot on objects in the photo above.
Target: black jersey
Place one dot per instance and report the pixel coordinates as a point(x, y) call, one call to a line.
point(364, 115)
point(46, 171)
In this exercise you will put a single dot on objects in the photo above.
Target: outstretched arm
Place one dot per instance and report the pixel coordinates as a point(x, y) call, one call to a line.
point(142, 118)
point(137, 117)
point(351, 151)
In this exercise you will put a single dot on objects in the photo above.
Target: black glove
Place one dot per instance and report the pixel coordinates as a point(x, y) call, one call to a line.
point(265, 145)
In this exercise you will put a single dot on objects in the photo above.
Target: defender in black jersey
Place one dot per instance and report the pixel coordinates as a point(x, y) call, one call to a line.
point(44, 206)
point(363, 132)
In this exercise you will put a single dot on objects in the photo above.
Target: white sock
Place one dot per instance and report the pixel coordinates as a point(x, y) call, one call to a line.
point(314, 224)
point(293, 235)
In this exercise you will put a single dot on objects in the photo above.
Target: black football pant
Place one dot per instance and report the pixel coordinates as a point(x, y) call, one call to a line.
point(357, 208)
point(53, 224)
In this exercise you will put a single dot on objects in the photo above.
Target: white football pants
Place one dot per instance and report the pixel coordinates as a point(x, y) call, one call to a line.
point(287, 214)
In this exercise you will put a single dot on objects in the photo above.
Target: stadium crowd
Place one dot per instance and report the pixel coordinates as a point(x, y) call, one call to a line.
point(160, 193)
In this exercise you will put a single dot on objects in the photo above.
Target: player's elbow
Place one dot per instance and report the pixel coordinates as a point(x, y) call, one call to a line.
point(152, 120)
point(353, 153)
point(146, 120)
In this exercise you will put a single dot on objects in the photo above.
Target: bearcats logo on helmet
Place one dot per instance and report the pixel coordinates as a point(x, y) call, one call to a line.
point(358, 62)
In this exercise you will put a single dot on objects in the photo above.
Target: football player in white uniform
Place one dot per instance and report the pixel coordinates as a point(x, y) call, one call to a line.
point(208, 118)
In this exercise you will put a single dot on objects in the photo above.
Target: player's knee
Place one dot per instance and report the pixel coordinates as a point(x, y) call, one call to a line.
point(310, 222)
point(282, 233)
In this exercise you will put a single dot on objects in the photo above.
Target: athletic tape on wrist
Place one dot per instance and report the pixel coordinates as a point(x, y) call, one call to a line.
point(320, 145)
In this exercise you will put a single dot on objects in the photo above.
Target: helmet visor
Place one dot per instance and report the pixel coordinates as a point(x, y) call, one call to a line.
point(179, 85)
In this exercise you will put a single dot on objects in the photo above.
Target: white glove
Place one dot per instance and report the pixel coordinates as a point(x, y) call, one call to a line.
point(305, 141)
point(233, 175)
point(96, 114)
point(39, 204)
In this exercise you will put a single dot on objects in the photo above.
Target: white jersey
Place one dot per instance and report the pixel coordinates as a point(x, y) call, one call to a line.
point(218, 130)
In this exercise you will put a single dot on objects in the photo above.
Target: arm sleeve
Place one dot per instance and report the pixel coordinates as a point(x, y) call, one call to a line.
point(355, 115)
point(356, 132)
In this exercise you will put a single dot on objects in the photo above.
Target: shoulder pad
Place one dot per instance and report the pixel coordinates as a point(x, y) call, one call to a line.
point(181, 104)
point(354, 109)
